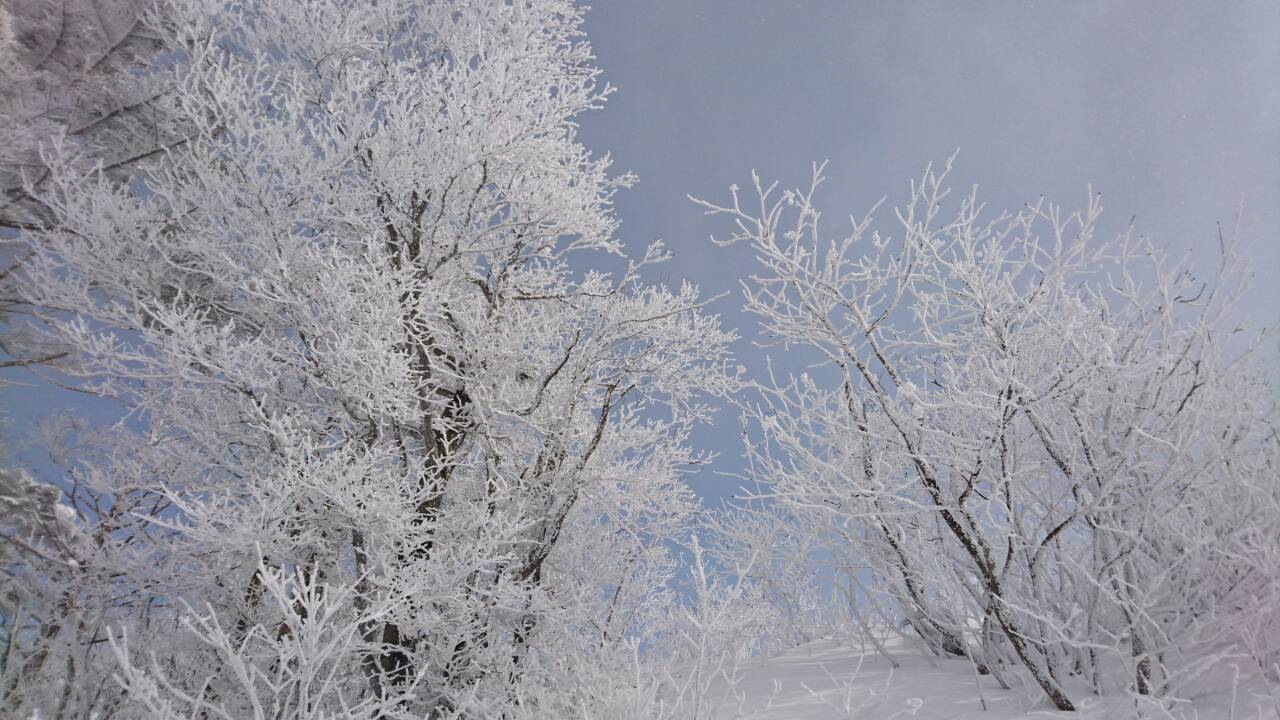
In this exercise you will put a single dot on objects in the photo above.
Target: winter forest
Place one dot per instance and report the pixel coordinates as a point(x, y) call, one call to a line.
point(359, 401)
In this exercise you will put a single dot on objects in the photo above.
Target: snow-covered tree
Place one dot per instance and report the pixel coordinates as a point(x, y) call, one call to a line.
point(78, 72)
point(386, 448)
point(1051, 451)
point(75, 69)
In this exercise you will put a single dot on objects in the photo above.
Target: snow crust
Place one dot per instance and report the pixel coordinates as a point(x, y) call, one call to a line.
point(827, 680)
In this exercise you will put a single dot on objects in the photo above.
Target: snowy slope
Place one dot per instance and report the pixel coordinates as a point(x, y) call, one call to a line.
point(825, 681)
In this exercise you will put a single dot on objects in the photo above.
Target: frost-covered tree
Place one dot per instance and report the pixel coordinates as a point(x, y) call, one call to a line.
point(75, 69)
point(386, 449)
point(1051, 452)
point(78, 72)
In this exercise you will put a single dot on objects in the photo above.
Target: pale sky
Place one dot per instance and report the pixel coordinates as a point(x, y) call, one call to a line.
point(1170, 109)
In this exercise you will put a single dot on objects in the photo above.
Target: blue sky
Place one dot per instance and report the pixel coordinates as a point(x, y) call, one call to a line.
point(1170, 109)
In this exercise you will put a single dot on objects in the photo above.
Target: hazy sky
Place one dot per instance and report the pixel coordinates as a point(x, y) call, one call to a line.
point(1170, 109)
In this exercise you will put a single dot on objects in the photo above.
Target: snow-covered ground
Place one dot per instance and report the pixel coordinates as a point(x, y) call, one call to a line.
point(826, 681)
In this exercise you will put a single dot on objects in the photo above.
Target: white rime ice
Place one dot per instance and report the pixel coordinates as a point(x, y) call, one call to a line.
point(402, 425)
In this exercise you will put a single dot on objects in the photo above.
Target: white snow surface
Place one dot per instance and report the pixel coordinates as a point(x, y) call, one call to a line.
point(827, 680)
